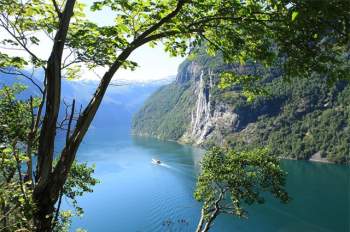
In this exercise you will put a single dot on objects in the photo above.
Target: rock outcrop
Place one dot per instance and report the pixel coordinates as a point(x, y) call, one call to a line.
point(296, 121)
point(208, 119)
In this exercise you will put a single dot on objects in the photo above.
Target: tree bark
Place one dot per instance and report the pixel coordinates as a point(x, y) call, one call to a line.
point(210, 221)
point(201, 222)
point(42, 191)
point(68, 154)
point(205, 224)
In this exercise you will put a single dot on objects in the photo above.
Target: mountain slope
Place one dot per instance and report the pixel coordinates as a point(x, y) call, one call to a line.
point(302, 120)
point(113, 118)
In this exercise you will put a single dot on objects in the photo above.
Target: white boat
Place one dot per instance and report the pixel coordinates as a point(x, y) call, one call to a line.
point(156, 161)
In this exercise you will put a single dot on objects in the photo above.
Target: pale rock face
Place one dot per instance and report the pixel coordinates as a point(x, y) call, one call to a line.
point(192, 71)
point(207, 120)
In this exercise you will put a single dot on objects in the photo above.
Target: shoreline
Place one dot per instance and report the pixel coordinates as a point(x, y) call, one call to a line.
point(310, 160)
point(316, 158)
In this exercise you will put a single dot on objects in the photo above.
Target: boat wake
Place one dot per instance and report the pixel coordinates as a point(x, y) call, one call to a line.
point(172, 167)
point(165, 165)
point(159, 163)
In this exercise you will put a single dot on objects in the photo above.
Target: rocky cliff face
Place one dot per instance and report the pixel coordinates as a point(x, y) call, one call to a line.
point(208, 119)
point(298, 120)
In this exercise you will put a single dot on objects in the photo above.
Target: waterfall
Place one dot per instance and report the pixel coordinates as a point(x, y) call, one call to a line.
point(201, 113)
point(207, 118)
point(200, 106)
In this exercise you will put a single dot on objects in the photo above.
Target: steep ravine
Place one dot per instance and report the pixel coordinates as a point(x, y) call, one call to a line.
point(302, 120)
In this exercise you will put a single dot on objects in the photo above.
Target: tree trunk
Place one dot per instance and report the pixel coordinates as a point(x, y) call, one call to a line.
point(42, 194)
point(205, 224)
point(29, 175)
point(201, 222)
point(44, 213)
point(50, 182)
point(4, 218)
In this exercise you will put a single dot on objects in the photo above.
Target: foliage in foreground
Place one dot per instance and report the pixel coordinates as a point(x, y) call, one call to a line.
point(16, 184)
point(311, 36)
point(230, 180)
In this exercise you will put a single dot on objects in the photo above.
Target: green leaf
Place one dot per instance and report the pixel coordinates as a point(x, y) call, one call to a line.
point(294, 15)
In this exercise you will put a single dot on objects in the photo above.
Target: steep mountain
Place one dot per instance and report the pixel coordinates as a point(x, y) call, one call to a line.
point(304, 119)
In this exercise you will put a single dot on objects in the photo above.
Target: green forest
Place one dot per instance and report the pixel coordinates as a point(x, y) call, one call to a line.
point(295, 119)
point(261, 80)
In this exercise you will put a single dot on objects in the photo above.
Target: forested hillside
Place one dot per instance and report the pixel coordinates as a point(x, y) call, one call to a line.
point(303, 119)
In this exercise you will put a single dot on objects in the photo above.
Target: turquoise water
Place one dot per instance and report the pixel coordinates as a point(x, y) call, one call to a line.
point(136, 195)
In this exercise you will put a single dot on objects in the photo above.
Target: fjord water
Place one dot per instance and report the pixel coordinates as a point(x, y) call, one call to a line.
point(135, 195)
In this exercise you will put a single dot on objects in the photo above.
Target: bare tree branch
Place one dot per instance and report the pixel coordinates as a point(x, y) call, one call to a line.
point(17, 72)
point(20, 177)
point(6, 23)
point(70, 121)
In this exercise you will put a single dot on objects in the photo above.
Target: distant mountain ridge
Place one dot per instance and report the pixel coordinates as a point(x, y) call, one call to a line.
point(302, 120)
point(114, 115)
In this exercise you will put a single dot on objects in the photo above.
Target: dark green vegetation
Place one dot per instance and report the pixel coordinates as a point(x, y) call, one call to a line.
point(309, 37)
point(231, 180)
point(168, 118)
point(296, 119)
point(17, 119)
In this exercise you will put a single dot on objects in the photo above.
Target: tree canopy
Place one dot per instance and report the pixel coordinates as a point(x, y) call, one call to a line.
point(310, 36)
point(303, 36)
point(230, 180)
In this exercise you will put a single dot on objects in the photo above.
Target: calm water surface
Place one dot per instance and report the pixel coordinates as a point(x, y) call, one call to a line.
point(136, 195)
